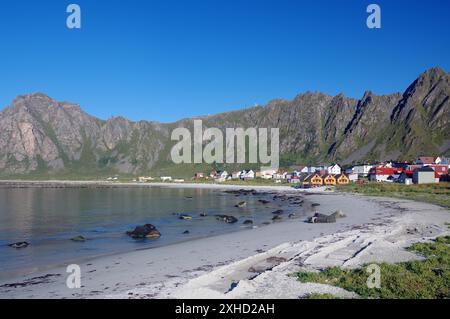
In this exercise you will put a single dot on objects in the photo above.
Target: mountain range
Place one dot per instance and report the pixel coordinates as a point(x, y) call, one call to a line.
point(44, 137)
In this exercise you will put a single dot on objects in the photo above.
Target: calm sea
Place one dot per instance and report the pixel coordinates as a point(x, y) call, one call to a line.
point(48, 218)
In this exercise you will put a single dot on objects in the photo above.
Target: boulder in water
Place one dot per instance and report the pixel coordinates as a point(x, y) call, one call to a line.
point(20, 245)
point(226, 218)
point(78, 238)
point(241, 204)
point(145, 231)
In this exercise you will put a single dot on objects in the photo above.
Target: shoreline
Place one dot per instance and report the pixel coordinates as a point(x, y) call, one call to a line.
point(105, 184)
point(195, 269)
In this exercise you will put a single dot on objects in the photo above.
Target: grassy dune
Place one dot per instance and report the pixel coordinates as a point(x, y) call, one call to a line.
point(420, 279)
point(430, 193)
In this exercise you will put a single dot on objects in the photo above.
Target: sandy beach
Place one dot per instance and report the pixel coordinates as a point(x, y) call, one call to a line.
point(252, 263)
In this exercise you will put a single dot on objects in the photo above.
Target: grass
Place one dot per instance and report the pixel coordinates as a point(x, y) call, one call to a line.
point(438, 194)
point(419, 279)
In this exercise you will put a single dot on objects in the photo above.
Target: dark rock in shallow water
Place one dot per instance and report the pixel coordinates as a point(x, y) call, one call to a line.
point(19, 245)
point(186, 232)
point(185, 217)
point(263, 201)
point(248, 222)
point(292, 215)
point(241, 204)
point(277, 218)
point(203, 214)
point(315, 204)
point(146, 231)
point(226, 218)
point(78, 238)
point(278, 212)
point(321, 218)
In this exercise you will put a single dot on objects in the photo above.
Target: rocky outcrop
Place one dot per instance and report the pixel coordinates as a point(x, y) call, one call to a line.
point(145, 231)
point(42, 135)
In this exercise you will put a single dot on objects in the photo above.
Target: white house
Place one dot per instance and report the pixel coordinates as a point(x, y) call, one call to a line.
point(166, 179)
point(352, 177)
point(267, 173)
point(311, 169)
point(362, 170)
point(248, 174)
point(236, 175)
point(334, 169)
point(279, 175)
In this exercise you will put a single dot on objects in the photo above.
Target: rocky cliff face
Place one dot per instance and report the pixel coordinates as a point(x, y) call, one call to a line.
point(40, 134)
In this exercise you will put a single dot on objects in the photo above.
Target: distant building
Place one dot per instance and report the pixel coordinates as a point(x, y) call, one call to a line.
point(313, 180)
point(381, 174)
point(362, 169)
point(342, 179)
point(236, 175)
point(268, 173)
point(248, 174)
point(334, 169)
point(166, 179)
point(329, 179)
point(199, 175)
point(352, 177)
point(428, 160)
point(424, 175)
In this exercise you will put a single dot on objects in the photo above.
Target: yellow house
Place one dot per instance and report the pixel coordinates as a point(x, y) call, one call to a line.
point(313, 179)
point(329, 180)
point(342, 179)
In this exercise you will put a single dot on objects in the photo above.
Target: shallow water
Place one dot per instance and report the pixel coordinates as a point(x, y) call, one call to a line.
point(48, 218)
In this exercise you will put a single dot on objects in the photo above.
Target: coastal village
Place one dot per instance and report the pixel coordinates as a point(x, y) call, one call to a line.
point(424, 170)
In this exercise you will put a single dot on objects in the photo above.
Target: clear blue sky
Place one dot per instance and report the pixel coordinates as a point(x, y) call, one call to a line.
point(165, 60)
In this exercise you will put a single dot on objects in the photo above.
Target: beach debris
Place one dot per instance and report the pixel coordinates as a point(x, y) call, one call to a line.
point(241, 204)
point(277, 218)
point(227, 218)
point(278, 212)
point(78, 238)
point(33, 281)
point(19, 245)
point(292, 215)
point(145, 231)
point(185, 217)
point(322, 218)
point(248, 222)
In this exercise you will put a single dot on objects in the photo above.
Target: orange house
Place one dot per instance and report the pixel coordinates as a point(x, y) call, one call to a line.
point(313, 179)
point(342, 179)
point(329, 180)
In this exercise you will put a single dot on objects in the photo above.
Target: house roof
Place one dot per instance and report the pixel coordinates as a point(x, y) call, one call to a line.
point(340, 175)
point(424, 169)
point(427, 159)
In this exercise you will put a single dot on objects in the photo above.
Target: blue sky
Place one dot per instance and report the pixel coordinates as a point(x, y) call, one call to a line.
point(165, 60)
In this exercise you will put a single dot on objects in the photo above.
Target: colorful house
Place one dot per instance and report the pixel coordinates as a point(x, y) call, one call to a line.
point(313, 179)
point(342, 179)
point(329, 180)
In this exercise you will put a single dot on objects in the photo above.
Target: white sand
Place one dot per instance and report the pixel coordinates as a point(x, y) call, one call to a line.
point(257, 260)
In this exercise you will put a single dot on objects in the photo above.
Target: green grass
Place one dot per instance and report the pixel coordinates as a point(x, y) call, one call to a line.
point(419, 279)
point(438, 194)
